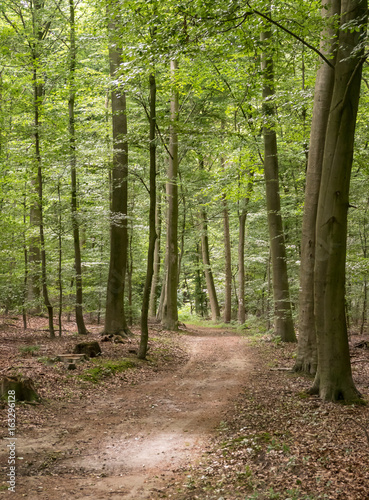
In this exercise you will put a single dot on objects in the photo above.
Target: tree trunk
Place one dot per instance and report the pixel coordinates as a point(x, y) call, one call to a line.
point(25, 253)
point(37, 101)
point(306, 360)
point(115, 319)
point(334, 379)
point(152, 229)
point(242, 216)
point(60, 262)
point(170, 316)
point(72, 152)
point(228, 264)
point(200, 297)
point(283, 324)
point(214, 305)
point(155, 278)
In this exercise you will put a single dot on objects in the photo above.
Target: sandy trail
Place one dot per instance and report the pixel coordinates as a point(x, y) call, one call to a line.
point(127, 447)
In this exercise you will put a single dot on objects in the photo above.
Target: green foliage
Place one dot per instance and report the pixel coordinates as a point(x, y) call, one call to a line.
point(29, 349)
point(105, 369)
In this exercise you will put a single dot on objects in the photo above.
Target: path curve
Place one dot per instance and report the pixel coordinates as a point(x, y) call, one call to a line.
point(131, 444)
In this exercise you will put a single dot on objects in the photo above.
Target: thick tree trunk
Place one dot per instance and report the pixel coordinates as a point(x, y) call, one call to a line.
point(115, 319)
point(334, 378)
point(72, 150)
point(306, 360)
point(283, 324)
point(152, 229)
point(170, 313)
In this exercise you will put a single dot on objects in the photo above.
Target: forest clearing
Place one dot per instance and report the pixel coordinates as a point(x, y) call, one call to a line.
point(212, 414)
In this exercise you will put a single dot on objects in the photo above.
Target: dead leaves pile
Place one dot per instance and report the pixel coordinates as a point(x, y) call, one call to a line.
point(277, 442)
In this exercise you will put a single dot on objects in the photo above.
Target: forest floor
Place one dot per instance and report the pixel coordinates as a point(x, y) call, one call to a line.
point(212, 414)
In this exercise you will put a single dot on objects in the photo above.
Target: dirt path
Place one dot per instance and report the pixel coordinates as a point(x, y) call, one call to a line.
point(128, 446)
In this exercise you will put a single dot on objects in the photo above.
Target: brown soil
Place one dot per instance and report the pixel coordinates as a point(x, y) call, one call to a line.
point(124, 441)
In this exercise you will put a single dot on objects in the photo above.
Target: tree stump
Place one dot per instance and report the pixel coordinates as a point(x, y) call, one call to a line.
point(91, 349)
point(23, 388)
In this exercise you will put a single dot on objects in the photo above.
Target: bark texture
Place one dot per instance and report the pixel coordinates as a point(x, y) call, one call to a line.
point(115, 319)
point(307, 359)
point(334, 378)
point(283, 324)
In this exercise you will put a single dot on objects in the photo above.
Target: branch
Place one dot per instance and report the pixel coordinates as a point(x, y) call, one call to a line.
point(264, 16)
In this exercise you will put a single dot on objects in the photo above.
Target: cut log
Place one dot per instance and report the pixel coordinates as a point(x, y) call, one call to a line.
point(91, 349)
point(23, 388)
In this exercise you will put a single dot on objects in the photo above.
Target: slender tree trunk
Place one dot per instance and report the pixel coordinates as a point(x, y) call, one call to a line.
point(25, 252)
point(115, 319)
point(334, 379)
point(39, 34)
point(170, 317)
point(72, 152)
point(283, 324)
point(156, 275)
point(152, 229)
point(200, 298)
point(214, 305)
point(60, 255)
point(228, 264)
point(242, 216)
point(306, 359)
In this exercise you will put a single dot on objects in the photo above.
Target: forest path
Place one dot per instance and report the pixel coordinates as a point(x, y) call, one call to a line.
point(128, 446)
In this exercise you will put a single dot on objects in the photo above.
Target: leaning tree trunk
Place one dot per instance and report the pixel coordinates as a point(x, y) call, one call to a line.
point(152, 229)
point(334, 379)
point(115, 319)
point(170, 313)
point(283, 324)
point(72, 150)
point(307, 360)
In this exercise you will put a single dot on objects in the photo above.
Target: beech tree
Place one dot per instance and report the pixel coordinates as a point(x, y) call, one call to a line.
point(115, 319)
point(306, 359)
point(282, 307)
point(334, 379)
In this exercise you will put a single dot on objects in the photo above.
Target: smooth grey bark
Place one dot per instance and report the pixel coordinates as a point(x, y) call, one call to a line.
point(333, 380)
point(283, 323)
point(307, 358)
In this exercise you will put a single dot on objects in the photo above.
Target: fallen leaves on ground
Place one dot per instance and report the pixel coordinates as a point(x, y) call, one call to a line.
point(277, 442)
